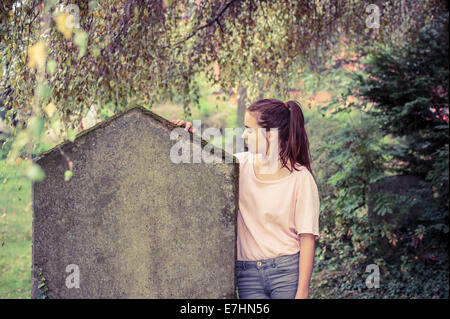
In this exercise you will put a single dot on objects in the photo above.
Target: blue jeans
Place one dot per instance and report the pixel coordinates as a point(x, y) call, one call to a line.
point(274, 278)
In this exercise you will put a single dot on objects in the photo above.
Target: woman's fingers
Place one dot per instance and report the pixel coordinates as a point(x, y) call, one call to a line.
point(176, 122)
point(187, 125)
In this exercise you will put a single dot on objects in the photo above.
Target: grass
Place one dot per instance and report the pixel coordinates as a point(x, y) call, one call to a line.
point(15, 234)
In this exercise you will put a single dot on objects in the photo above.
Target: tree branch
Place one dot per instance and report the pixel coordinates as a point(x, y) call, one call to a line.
point(212, 21)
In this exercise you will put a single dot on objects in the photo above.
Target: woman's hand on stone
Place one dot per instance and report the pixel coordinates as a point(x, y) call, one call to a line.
point(187, 125)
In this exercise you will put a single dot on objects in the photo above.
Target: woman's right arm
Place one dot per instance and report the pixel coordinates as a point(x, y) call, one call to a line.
point(189, 127)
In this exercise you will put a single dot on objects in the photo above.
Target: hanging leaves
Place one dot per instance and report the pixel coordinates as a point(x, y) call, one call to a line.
point(64, 23)
point(37, 55)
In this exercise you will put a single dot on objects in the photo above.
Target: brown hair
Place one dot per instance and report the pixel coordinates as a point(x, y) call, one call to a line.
point(288, 118)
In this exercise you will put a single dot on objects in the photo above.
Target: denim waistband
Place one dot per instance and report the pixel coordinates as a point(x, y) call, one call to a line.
point(272, 262)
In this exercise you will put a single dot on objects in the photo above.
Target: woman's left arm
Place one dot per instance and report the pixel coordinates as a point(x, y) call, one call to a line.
point(306, 264)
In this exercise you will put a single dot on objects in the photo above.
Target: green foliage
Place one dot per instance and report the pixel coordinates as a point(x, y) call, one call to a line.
point(438, 176)
point(151, 50)
point(411, 253)
point(409, 86)
point(68, 174)
point(42, 286)
point(407, 257)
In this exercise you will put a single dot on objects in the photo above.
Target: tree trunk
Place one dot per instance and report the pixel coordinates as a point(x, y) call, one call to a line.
point(242, 101)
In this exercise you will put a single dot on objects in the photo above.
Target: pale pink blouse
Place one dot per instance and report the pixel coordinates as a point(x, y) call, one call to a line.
point(273, 213)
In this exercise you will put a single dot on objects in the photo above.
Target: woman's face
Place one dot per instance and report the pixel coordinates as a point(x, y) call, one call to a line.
point(254, 135)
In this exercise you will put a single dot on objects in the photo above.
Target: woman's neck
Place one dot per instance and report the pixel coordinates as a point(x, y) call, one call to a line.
point(263, 170)
point(267, 165)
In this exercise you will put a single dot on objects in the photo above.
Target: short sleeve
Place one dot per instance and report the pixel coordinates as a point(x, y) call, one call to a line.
point(307, 207)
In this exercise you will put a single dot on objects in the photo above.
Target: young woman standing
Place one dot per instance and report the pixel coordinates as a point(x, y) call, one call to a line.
point(279, 206)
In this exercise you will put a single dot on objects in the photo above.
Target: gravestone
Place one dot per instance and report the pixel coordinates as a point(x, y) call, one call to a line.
point(130, 223)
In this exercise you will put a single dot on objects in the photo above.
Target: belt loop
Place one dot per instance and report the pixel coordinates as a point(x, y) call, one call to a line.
point(274, 263)
point(244, 265)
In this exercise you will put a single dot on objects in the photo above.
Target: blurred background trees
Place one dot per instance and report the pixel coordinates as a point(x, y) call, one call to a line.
point(375, 102)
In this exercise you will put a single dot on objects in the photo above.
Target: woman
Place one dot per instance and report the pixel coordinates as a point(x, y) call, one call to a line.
point(278, 203)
